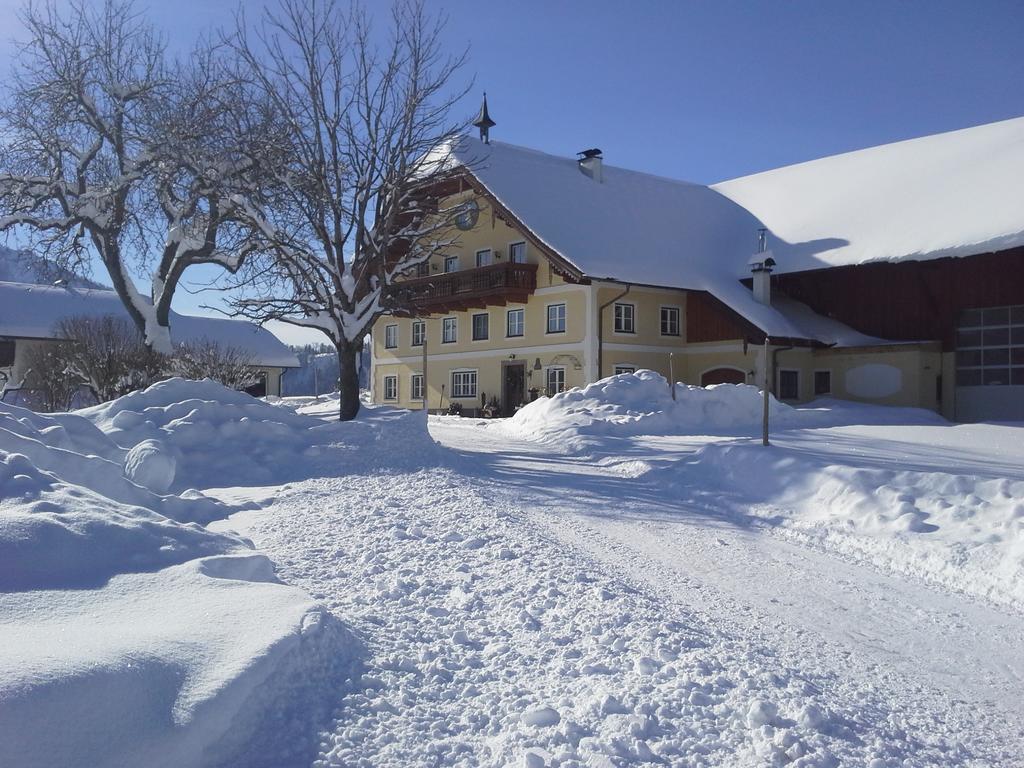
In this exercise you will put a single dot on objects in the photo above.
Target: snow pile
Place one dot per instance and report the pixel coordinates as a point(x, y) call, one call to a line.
point(964, 531)
point(216, 437)
point(70, 447)
point(59, 536)
point(132, 634)
point(641, 403)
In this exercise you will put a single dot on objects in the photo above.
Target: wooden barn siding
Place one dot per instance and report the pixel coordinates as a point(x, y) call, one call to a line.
point(911, 300)
point(708, 319)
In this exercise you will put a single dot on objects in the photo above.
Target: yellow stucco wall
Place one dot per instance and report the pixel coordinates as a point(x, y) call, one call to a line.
point(647, 304)
point(489, 376)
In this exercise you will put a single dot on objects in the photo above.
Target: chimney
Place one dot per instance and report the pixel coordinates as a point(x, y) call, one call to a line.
point(761, 265)
point(590, 164)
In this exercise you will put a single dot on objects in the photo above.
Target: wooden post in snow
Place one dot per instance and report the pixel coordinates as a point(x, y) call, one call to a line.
point(764, 417)
point(671, 375)
point(426, 395)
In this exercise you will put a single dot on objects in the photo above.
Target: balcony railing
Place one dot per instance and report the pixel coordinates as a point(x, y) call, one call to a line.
point(469, 288)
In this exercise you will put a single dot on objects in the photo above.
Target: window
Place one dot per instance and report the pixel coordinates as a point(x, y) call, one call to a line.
point(390, 387)
point(670, 321)
point(419, 333)
point(556, 318)
point(423, 269)
point(516, 323)
point(390, 336)
point(823, 382)
point(789, 385)
point(451, 263)
point(416, 386)
point(480, 326)
point(990, 347)
point(624, 318)
point(555, 381)
point(463, 383)
point(517, 253)
point(484, 257)
point(449, 330)
point(6, 353)
point(624, 369)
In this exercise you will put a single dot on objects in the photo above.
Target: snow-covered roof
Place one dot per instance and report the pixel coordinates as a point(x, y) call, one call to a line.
point(32, 311)
point(631, 226)
point(950, 194)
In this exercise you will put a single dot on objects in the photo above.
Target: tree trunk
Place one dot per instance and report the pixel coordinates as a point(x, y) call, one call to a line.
point(348, 380)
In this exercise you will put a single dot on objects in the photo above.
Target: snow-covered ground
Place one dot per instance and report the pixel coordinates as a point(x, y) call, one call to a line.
point(611, 578)
point(132, 634)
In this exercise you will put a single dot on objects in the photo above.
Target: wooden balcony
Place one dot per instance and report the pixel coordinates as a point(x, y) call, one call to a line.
point(478, 288)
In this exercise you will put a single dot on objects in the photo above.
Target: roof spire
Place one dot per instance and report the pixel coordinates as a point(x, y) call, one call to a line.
point(483, 122)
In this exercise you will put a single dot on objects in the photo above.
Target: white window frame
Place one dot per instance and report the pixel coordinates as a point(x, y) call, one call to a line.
point(472, 326)
point(513, 245)
point(451, 260)
point(547, 318)
point(679, 321)
point(814, 382)
point(619, 368)
point(476, 384)
point(422, 325)
point(392, 380)
point(778, 383)
point(415, 378)
point(556, 369)
point(391, 336)
point(490, 257)
point(444, 330)
point(522, 323)
point(632, 318)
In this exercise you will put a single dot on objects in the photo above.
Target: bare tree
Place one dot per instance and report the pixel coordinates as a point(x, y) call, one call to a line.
point(108, 146)
point(108, 354)
point(355, 204)
point(207, 359)
point(50, 385)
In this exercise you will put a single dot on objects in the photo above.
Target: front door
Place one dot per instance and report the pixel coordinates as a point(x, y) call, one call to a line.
point(513, 389)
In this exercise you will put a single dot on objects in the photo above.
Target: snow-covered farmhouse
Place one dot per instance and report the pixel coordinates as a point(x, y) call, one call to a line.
point(891, 275)
point(29, 313)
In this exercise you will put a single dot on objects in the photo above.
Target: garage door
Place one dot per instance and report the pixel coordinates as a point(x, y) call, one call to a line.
point(990, 364)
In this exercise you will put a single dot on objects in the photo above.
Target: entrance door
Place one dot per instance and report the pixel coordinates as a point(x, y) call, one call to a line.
point(722, 376)
point(513, 388)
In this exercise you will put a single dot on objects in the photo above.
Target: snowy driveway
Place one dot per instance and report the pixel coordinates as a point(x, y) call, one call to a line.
point(524, 608)
point(927, 644)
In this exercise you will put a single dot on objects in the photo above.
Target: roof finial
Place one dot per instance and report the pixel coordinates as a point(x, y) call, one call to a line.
point(483, 122)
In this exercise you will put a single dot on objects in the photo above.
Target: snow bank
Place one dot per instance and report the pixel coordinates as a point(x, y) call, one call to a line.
point(71, 448)
point(964, 531)
point(193, 665)
point(134, 635)
point(58, 536)
point(217, 437)
point(641, 403)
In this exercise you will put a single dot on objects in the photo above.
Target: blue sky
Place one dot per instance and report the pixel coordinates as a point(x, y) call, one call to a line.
point(707, 91)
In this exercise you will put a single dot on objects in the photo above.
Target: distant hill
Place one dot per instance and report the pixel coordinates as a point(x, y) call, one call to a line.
point(27, 267)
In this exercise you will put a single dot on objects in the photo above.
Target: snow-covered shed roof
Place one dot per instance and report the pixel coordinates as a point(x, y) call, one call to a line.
point(950, 194)
point(31, 311)
point(631, 226)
